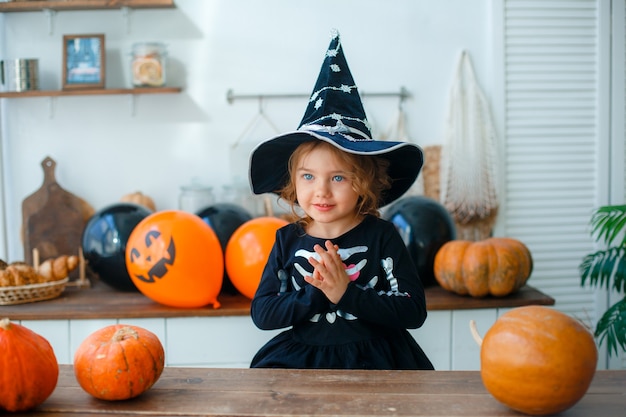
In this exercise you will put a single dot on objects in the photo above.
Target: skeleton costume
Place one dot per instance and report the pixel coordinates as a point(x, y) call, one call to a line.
point(367, 328)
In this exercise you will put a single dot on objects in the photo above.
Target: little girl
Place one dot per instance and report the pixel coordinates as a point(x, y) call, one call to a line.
point(340, 279)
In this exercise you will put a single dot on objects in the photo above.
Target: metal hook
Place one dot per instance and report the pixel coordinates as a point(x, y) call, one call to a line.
point(261, 105)
point(126, 16)
point(50, 15)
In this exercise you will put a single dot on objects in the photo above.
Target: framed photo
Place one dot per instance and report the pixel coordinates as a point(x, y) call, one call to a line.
point(83, 61)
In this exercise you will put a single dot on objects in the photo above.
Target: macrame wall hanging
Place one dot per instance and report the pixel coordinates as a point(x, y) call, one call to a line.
point(468, 157)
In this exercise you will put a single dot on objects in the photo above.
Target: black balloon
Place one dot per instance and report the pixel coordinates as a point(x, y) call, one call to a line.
point(425, 225)
point(224, 219)
point(104, 242)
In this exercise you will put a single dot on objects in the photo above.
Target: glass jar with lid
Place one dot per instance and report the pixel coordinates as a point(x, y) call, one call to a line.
point(195, 197)
point(148, 64)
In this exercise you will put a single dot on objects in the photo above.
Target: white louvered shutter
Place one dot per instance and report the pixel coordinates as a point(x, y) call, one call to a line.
point(551, 140)
point(619, 74)
point(618, 117)
point(622, 135)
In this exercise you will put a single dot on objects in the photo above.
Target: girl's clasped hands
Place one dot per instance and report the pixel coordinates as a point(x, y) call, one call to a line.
point(329, 273)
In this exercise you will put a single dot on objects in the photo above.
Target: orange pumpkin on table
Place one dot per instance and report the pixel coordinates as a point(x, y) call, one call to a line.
point(495, 266)
point(119, 362)
point(28, 368)
point(537, 360)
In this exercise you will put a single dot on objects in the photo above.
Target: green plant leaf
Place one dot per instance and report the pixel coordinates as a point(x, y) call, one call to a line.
point(603, 267)
point(619, 281)
point(607, 223)
point(607, 269)
point(612, 327)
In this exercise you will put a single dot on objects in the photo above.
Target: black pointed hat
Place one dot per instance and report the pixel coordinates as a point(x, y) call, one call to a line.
point(334, 114)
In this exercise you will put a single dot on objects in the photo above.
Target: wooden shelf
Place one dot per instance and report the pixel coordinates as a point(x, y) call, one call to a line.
point(102, 301)
point(60, 5)
point(91, 92)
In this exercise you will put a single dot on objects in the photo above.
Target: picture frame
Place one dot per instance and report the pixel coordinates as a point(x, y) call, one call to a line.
point(83, 61)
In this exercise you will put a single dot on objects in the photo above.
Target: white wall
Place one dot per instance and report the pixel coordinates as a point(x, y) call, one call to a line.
point(275, 46)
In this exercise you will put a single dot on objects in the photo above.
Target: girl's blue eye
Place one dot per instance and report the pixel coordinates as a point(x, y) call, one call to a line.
point(307, 176)
point(338, 178)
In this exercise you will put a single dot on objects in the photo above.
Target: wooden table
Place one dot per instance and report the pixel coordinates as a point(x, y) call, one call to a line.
point(280, 392)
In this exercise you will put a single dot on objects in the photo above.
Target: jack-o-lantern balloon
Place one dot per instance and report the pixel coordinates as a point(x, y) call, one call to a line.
point(247, 252)
point(175, 259)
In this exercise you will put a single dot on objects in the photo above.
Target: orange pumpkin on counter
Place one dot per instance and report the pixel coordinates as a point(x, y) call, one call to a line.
point(537, 360)
point(28, 368)
point(495, 266)
point(139, 198)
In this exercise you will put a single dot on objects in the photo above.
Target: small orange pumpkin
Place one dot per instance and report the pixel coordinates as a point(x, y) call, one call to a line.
point(538, 360)
point(498, 266)
point(119, 362)
point(28, 368)
point(139, 198)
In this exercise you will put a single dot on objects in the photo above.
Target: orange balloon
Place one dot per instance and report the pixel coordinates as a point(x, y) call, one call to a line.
point(247, 252)
point(175, 259)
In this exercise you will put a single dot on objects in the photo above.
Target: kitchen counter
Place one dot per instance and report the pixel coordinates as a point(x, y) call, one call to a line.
point(102, 301)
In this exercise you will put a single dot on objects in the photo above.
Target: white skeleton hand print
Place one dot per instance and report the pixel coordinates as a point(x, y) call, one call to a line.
point(353, 271)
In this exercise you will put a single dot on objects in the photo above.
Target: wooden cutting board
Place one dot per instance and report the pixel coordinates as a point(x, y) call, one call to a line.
point(53, 219)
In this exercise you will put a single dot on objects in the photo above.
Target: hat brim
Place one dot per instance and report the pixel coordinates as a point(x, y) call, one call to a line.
point(268, 171)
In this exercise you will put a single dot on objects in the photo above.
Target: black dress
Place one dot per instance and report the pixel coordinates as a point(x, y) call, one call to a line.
point(366, 329)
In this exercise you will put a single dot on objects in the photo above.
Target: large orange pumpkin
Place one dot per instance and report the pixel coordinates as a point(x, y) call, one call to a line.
point(538, 360)
point(495, 266)
point(28, 368)
point(119, 362)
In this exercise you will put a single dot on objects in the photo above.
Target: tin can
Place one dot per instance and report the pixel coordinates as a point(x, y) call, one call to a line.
point(19, 74)
point(148, 64)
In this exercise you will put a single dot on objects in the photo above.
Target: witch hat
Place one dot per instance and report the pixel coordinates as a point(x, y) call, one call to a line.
point(334, 114)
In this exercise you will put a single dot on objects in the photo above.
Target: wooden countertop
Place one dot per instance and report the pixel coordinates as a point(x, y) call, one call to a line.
point(102, 301)
point(281, 392)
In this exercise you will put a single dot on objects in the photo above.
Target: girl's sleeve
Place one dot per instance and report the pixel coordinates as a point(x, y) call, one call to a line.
point(276, 303)
point(402, 303)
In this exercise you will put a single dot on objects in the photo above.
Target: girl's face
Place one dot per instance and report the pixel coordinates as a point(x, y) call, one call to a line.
point(325, 192)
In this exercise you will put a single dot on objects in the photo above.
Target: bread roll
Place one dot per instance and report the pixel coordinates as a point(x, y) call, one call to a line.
point(19, 273)
point(55, 269)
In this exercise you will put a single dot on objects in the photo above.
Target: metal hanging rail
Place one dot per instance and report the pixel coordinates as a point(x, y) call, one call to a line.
point(231, 96)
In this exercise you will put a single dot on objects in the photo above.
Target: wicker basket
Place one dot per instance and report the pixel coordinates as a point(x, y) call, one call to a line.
point(22, 294)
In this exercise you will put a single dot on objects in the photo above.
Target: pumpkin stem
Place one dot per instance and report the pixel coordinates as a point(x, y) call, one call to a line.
point(5, 324)
point(475, 335)
point(124, 333)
